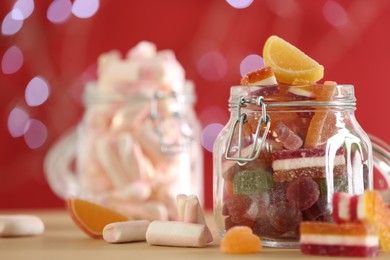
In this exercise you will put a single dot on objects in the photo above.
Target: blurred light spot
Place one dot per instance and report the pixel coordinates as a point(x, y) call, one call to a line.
point(209, 134)
point(10, 26)
point(35, 134)
point(212, 66)
point(214, 114)
point(22, 9)
point(251, 63)
point(17, 121)
point(85, 8)
point(12, 60)
point(335, 13)
point(240, 4)
point(37, 91)
point(284, 8)
point(59, 11)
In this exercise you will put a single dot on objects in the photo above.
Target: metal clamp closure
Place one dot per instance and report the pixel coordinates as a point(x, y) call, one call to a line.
point(177, 139)
point(258, 141)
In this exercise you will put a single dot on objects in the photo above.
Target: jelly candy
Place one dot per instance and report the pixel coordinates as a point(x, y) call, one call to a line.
point(242, 221)
point(286, 136)
point(254, 181)
point(367, 208)
point(240, 240)
point(290, 164)
point(318, 212)
point(237, 206)
point(284, 216)
point(303, 192)
point(264, 76)
point(319, 238)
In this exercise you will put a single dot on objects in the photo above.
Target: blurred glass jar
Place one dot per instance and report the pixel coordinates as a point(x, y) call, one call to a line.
point(283, 153)
point(138, 144)
point(135, 153)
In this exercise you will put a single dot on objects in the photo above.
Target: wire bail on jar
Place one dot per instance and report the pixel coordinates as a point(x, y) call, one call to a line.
point(258, 141)
point(183, 142)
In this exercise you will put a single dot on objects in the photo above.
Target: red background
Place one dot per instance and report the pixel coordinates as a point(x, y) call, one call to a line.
point(65, 54)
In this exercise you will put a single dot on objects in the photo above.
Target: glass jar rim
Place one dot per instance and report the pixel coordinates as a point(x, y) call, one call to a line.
point(280, 95)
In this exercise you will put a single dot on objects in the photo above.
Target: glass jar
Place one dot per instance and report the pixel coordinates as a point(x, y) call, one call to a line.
point(281, 156)
point(136, 151)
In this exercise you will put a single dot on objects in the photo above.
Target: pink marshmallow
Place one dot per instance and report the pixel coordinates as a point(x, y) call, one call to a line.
point(175, 233)
point(127, 231)
point(20, 225)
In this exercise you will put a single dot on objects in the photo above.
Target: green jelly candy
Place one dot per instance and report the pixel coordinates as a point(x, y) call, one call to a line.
point(340, 184)
point(251, 182)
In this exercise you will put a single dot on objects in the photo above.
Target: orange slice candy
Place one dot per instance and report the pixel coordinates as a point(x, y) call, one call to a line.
point(92, 218)
point(240, 240)
point(289, 63)
point(323, 124)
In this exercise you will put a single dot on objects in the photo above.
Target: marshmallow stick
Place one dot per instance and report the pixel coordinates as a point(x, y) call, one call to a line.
point(190, 211)
point(20, 225)
point(108, 157)
point(175, 233)
point(127, 231)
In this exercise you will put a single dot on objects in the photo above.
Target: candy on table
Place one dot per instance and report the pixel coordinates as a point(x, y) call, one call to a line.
point(20, 225)
point(240, 240)
point(367, 208)
point(286, 136)
point(176, 233)
point(190, 211)
point(126, 231)
point(290, 164)
point(350, 239)
point(90, 217)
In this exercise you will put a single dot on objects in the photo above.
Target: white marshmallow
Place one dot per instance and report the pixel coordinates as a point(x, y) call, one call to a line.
point(20, 225)
point(127, 231)
point(175, 233)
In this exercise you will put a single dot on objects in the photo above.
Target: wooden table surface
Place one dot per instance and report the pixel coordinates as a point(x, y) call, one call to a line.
point(62, 239)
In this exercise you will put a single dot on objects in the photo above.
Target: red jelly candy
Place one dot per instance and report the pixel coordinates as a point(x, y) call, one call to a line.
point(284, 216)
point(303, 192)
point(287, 137)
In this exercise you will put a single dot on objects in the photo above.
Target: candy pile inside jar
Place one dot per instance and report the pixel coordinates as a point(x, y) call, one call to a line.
point(287, 183)
point(138, 144)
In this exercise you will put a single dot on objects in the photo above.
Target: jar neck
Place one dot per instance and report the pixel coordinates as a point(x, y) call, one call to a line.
point(297, 97)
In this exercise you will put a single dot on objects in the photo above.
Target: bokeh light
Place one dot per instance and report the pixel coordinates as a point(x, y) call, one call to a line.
point(334, 13)
point(209, 134)
point(22, 9)
point(12, 60)
point(214, 114)
point(35, 133)
point(37, 91)
point(59, 11)
point(10, 26)
point(17, 120)
point(85, 8)
point(251, 63)
point(240, 4)
point(212, 66)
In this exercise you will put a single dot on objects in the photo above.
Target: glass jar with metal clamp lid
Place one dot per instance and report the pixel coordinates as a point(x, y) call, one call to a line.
point(282, 155)
point(135, 151)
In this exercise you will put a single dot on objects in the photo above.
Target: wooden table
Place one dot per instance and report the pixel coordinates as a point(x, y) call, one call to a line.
point(63, 240)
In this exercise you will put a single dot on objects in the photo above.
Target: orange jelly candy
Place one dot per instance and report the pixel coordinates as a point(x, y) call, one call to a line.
point(322, 125)
point(240, 240)
point(377, 213)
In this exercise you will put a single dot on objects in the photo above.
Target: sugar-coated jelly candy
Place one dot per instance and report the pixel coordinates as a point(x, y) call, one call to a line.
point(284, 216)
point(355, 240)
point(254, 181)
point(303, 192)
point(366, 208)
point(240, 240)
point(286, 136)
